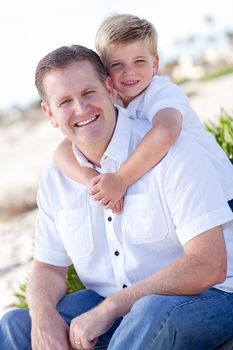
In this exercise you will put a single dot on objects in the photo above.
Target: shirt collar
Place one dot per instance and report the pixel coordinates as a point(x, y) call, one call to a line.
point(118, 147)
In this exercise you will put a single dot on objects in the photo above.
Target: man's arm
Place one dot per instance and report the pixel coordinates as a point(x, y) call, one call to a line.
point(46, 287)
point(196, 271)
point(193, 273)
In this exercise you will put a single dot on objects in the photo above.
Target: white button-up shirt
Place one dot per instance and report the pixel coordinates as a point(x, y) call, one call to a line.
point(162, 93)
point(174, 202)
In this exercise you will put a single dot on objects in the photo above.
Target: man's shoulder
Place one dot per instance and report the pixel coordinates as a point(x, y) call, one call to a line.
point(186, 150)
point(52, 176)
point(50, 170)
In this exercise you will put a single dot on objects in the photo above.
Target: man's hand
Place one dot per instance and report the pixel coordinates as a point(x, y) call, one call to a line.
point(86, 328)
point(108, 189)
point(50, 333)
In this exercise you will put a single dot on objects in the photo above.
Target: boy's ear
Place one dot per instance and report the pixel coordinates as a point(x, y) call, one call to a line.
point(47, 111)
point(110, 89)
point(156, 64)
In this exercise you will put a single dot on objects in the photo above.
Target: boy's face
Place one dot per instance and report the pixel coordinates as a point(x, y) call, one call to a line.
point(131, 67)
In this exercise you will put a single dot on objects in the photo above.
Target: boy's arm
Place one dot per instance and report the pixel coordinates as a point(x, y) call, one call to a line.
point(166, 127)
point(68, 164)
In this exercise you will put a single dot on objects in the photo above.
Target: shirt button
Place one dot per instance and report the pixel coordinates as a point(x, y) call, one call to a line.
point(109, 218)
point(124, 286)
point(117, 253)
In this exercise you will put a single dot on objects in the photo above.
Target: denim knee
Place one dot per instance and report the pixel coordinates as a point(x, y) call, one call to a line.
point(145, 302)
point(15, 328)
point(9, 319)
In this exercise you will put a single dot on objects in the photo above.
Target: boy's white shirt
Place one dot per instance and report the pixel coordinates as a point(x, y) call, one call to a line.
point(161, 94)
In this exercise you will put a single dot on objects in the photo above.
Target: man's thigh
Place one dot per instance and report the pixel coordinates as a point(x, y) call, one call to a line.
point(171, 322)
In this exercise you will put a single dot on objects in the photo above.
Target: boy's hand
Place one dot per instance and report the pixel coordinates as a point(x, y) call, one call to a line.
point(118, 207)
point(108, 189)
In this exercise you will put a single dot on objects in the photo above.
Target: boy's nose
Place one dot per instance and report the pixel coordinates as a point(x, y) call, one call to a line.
point(128, 69)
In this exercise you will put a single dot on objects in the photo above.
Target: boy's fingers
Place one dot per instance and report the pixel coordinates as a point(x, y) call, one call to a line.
point(97, 197)
point(95, 180)
point(93, 191)
point(121, 204)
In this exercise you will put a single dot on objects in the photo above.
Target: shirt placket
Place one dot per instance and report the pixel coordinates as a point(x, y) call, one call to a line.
point(115, 250)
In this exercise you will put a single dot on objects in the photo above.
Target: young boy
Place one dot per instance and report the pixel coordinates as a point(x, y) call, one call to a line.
point(127, 46)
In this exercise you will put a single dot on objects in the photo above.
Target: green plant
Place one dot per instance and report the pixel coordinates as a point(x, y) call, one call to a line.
point(223, 132)
point(217, 74)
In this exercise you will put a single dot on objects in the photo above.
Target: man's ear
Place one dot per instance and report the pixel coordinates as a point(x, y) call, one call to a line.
point(47, 111)
point(110, 89)
point(155, 64)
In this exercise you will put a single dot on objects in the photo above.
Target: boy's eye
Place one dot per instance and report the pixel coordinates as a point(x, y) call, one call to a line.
point(140, 61)
point(116, 65)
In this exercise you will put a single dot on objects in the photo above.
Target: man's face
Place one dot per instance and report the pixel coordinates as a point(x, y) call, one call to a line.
point(80, 104)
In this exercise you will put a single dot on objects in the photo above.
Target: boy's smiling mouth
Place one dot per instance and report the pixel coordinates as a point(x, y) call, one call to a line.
point(130, 82)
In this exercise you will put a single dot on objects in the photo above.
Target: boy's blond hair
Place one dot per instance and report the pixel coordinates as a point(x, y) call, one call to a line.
point(124, 28)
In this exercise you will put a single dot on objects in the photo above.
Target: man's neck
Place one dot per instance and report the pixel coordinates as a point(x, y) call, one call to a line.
point(94, 151)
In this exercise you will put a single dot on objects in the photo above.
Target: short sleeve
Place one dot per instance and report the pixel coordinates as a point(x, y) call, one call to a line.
point(194, 195)
point(164, 95)
point(48, 245)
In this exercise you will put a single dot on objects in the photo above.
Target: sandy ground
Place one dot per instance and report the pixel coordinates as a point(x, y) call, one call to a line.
point(25, 149)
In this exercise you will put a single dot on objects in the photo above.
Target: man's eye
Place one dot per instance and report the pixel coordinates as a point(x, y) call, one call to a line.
point(62, 103)
point(89, 92)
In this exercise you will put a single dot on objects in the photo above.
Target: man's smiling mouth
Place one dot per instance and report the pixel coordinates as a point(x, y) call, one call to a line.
point(85, 122)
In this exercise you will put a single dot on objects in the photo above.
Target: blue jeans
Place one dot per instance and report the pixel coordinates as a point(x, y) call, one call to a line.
point(200, 322)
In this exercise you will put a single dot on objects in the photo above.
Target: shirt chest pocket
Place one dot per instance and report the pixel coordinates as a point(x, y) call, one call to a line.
point(75, 229)
point(144, 219)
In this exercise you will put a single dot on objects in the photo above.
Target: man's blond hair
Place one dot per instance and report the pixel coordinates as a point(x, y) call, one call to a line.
point(124, 28)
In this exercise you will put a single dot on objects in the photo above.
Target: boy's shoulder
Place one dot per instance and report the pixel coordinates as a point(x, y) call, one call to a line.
point(160, 82)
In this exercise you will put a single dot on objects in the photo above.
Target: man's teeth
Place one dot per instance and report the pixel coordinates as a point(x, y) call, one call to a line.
point(85, 122)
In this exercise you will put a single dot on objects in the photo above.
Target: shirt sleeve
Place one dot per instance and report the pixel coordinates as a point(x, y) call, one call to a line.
point(164, 95)
point(194, 195)
point(48, 245)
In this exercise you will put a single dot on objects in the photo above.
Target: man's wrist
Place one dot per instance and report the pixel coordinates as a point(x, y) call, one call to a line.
point(40, 310)
point(113, 305)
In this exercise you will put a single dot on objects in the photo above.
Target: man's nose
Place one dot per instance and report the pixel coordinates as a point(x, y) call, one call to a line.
point(80, 107)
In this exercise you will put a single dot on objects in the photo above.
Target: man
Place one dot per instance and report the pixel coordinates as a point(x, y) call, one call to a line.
point(170, 248)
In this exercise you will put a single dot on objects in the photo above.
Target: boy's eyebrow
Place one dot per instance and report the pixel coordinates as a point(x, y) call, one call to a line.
point(120, 59)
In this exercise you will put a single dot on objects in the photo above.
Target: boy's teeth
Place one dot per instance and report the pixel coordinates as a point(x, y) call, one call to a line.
point(130, 82)
point(86, 121)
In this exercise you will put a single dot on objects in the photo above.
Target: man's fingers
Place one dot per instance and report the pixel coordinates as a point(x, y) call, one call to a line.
point(89, 344)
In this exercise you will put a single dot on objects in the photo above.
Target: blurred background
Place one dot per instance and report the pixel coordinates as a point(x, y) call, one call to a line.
point(196, 51)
